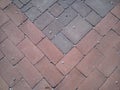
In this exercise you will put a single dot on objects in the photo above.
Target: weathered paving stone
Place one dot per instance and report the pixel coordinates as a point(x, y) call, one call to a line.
point(52, 29)
point(81, 8)
point(26, 7)
point(67, 16)
point(24, 1)
point(45, 19)
point(33, 13)
point(93, 18)
point(77, 29)
point(62, 43)
point(18, 3)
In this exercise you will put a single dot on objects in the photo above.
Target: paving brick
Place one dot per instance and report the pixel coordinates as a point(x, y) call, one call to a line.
point(21, 85)
point(18, 3)
point(88, 64)
point(3, 85)
point(69, 61)
point(50, 50)
point(24, 1)
point(116, 28)
point(116, 11)
point(9, 73)
point(29, 72)
point(76, 29)
point(52, 29)
point(32, 31)
point(93, 18)
point(88, 42)
point(1, 55)
point(56, 9)
point(71, 81)
point(13, 32)
point(33, 13)
point(3, 18)
point(93, 81)
point(49, 71)
point(43, 4)
point(67, 16)
point(11, 51)
point(117, 47)
point(4, 3)
point(26, 7)
point(65, 3)
point(15, 14)
point(62, 43)
point(106, 24)
point(3, 35)
point(42, 85)
point(112, 83)
point(81, 8)
point(30, 50)
point(100, 6)
point(41, 22)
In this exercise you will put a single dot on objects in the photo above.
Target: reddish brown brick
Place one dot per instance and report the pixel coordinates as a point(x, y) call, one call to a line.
point(32, 31)
point(4, 3)
point(116, 11)
point(9, 73)
point(29, 73)
point(30, 50)
point(11, 51)
point(3, 85)
point(93, 81)
point(3, 36)
point(116, 28)
point(88, 42)
point(113, 82)
point(69, 61)
point(15, 14)
point(106, 24)
point(88, 64)
point(50, 50)
point(49, 71)
point(71, 81)
point(13, 32)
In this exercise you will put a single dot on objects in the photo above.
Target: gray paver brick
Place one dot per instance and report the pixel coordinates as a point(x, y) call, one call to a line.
point(52, 29)
point(18, 3)
point(76, 29)
point(62, 43)
point(68, 15)
point(45, 19)
point(24, 1)
point(26, 7)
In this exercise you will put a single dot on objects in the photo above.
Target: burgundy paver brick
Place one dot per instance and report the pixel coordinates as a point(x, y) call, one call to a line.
point(13, 32)
point(71, 81)
point(49, 71)
point(32, 31)
point(30, 50)
point(11, 51)
point(1, 55)
point(3, 85)
point(116, 28)
point(106, 24)
point(69, 61)
point(88, 64)
point(93, 81)
point(8, 72)
point(21, 85)
point(116, 11)
point(50, 50)
point(3, 18)
point(3, 35)
point(113, 82)
point(4, 3)
point(42, 85)
point(29, 72)
point(88, 42)
point(15, 14)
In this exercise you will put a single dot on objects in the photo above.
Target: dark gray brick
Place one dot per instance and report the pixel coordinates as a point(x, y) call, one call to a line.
point(18, 3)
point(56, 10)
point(45, 19)
point(93, 18)
point(102, 7)
point(65, 3)
point(24, 1)
point(43, 4)
point(26, 7)
point(76, 29)
point(52, 29)
point(62, 43)
point(33, 13)
point(68, 15)
point(81, 8)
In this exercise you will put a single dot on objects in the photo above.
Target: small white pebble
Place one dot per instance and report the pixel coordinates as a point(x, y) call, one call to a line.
point(116, 82)
point(16, 12)
point(98, 41)
point(56, 18)
point(62, 62)
point(50, 32)
point(73, 27)
point(10, 88)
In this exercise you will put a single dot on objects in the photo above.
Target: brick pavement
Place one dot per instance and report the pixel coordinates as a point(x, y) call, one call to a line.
point(59, 45)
